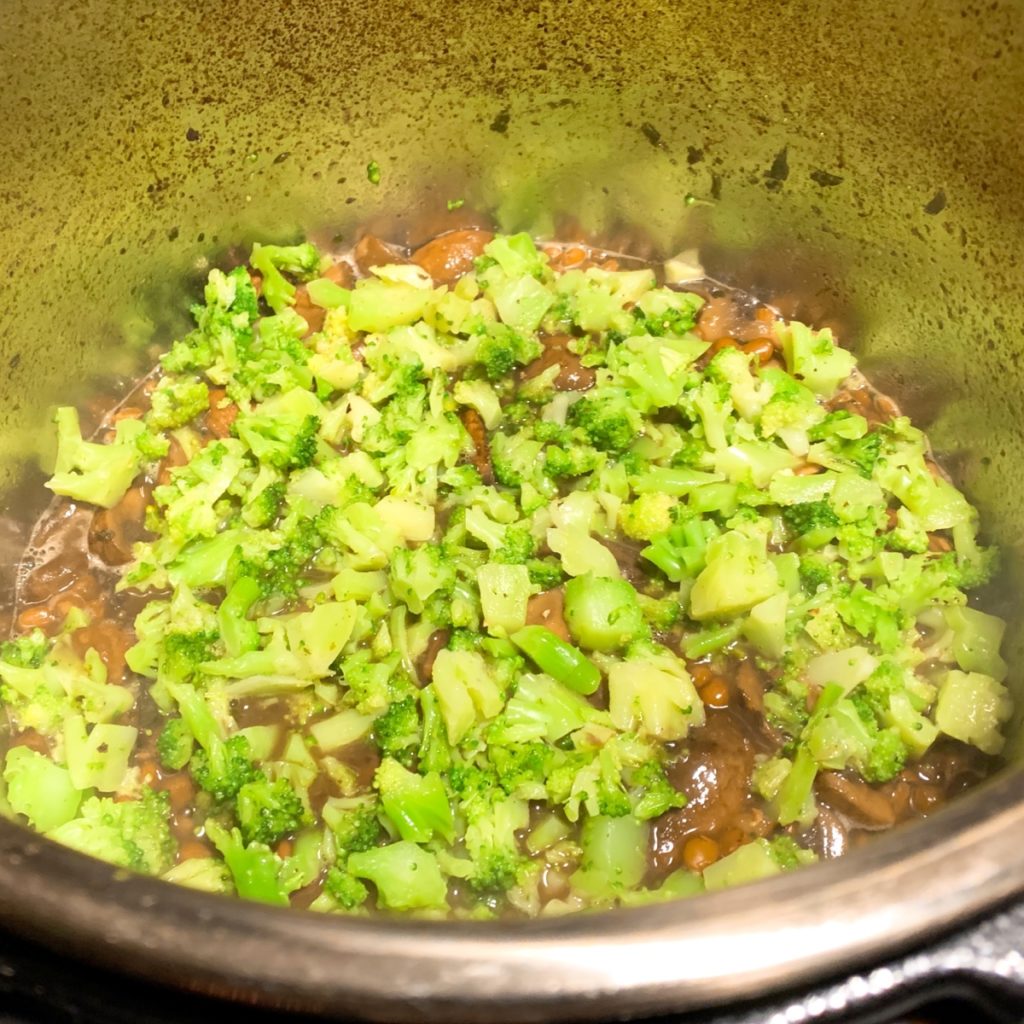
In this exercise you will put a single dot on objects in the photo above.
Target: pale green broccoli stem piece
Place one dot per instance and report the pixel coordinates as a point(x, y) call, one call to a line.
point(614, 856)
point(737, 576)
point(973, 707)
point(602, 614)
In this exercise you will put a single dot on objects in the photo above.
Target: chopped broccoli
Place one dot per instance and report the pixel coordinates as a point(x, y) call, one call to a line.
point(132, 834)
point(176, 401)
point(267, 811)
point(174, 745)
point(406, 876)
point(346, 889)
point(602, 614)
point(270, 260)
point(648, 516)
point(398, 732)
point(502, 349)
point(225, 769)
point(416, 575)
point(608, 419)
point(96, 473)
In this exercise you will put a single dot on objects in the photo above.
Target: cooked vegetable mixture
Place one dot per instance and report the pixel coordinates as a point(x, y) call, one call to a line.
point(493, 581)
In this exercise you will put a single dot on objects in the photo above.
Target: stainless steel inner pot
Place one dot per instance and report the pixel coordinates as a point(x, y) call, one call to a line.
point(864, 160)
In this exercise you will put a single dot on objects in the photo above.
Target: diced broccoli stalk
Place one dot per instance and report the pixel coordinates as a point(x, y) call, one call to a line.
point(973, 707)
point(614, 856)
point(737, 576)
point(753, 862)
point(97, 759)
point(99, 474)
point(651, 692)
point(405, 875)
point(504, 592)
point(977, 638)
point(466, 691)
point(39, 789)
point(602, 614)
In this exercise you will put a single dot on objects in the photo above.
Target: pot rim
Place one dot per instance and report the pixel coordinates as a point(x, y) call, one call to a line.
point(722, 947)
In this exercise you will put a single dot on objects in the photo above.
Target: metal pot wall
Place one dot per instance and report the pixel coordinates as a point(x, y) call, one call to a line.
point(863, 159)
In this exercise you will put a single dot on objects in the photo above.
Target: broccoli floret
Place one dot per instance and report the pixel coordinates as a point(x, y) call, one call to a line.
point(96, 473)
point(571, 460)
point(872, 617)
point(262, 510)
point(517, 546)
point(416, 804)
point(182, 653)
point(355, 824)
point(225, 769)
point(652, 693)
point(373, 685)
point(653, 793)
point(816, 571)
point(493, 847)
point(267, 811)
point(28, 651)
point(814, 518)
point(302, 261)
point(662, 312)
point(257, 872)
point(608, 419)
point(649, 515)
point(176, 401)
point(282, 569)
point(545, 573)
point(40, 789)
point(132, 834)
point(174, 745)
point(346, 889)
point(418, 574)
point(515, 458)
point(398, 731)
point(521, 768)
point(681, 552)
point(279, 442)
point(502, 349)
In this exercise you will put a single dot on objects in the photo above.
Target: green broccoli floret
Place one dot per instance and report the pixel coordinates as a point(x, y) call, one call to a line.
point(571, 460)
point(502, 349)
point(267, 811)
point(517, 546)
point(545, 573)
point(521, 768)
point(660, 313)
point(872, 616)
point(417, 574)
point(398, 732)
point(373, 685)
point(817, 571)
point(280, 442)
point(652, 792)
point(282, 570)
point(515, 458)
point(493, 847)
point(174, 745)
point(416, 804)
point(302, 261)
point(181, 654)
point(346, 889)
point(28, 651)
point(646, 517)
point(96, 473)
point(132, 834)
point(262, 510)
point(176, 401)
point(354, 823)
point(813, 521)
point(608, 419)
point(225, 769)
point(257, 872)
point(406, 876)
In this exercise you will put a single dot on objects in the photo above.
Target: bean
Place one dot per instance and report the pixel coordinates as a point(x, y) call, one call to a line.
point(715, 693)
point(699, 852)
